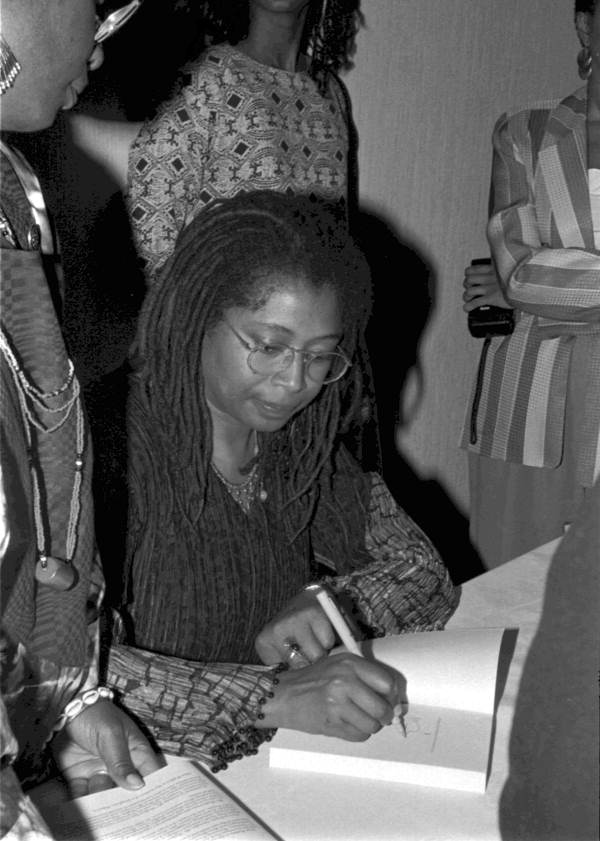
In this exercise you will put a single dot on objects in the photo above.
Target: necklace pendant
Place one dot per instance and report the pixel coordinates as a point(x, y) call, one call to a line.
point(55, 573)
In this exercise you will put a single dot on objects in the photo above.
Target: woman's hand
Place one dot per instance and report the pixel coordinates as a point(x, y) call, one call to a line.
point(482, 288)
point(102, 747)
point(343, 695)
point(302, 623)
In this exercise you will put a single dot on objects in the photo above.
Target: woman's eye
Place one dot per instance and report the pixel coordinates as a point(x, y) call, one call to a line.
point(272, 350)
point(321, 359)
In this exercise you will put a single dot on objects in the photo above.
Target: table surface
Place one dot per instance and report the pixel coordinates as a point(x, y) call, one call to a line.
point(299, 806)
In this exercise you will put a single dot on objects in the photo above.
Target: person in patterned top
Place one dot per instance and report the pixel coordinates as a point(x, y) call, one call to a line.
point(262, 108)
point(241, 492)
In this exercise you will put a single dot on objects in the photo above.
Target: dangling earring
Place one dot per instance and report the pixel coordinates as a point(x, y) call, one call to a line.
point(9, 66)
point(584, 62)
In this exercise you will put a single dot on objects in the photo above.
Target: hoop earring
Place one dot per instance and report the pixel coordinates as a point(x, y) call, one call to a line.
point(584, 63)
point(9, 66)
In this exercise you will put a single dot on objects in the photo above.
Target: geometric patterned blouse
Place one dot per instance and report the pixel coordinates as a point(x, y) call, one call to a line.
point(234, 124)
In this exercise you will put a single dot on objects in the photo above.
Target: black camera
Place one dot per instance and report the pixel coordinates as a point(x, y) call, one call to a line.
point(487, 320)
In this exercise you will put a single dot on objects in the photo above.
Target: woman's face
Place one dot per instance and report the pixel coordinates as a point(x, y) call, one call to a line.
point(240, 400)
point(53, 40)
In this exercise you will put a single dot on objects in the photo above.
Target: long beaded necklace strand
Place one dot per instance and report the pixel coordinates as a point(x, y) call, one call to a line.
point(55, 572)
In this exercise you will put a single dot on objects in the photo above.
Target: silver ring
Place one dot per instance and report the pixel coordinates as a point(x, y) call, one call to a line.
point(294, 651)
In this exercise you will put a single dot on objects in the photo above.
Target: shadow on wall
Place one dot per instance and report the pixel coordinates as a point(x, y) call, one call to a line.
point(404, 297)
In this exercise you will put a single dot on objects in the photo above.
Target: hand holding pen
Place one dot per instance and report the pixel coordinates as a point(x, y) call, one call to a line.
point(343, 695)
point(333, 613)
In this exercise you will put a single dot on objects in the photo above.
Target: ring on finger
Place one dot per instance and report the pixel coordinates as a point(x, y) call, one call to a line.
point(294, 653)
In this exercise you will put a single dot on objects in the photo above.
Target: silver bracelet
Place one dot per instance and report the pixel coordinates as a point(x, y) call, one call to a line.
point(79, 704)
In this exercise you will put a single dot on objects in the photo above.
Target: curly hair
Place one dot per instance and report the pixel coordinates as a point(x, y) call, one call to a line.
point(329, 31)
point(227, 257)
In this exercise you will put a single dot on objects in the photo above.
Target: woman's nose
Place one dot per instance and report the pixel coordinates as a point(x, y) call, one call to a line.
point(293, 377)
point(96, 58)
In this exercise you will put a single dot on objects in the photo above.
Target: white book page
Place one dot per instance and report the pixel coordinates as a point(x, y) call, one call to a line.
point(453, 669)
point(450, 684)
point(178, 802)
point(442, 748)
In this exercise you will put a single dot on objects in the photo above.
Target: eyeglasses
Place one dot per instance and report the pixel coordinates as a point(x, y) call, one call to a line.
point(269, 359)
point(115, 20)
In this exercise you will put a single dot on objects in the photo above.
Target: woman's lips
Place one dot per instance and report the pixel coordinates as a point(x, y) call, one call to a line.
point(275, 410)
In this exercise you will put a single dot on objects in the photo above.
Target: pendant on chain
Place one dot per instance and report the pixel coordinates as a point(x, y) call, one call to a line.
point(55, 573)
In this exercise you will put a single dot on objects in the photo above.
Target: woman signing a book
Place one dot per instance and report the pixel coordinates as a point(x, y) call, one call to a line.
point(241, 494)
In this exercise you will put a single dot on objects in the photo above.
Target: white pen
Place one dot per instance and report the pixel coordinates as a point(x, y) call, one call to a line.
point(332, 612)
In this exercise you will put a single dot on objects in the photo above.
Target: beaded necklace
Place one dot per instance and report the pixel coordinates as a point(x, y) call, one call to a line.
point(244, 493)
point(58, 573)
point(58, 404)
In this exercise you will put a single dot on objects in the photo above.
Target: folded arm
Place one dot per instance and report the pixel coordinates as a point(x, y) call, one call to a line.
point(562, 284)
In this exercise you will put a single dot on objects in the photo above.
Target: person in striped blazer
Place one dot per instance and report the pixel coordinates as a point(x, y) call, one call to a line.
point(533, 437)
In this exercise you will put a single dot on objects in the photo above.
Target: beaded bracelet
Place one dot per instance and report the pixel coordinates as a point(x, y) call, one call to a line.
point(79, 704)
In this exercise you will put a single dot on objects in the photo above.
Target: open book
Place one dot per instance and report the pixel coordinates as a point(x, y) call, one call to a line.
point(179, 801)
point(443, 739)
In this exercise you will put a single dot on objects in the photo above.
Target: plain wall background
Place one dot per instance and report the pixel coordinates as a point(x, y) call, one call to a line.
point(430, 79)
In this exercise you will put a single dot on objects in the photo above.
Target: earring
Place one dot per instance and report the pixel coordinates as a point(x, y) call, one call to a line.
point(584, 62)
point(9, 66)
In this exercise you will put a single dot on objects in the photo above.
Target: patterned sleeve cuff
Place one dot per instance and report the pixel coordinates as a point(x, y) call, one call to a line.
point(205, 711)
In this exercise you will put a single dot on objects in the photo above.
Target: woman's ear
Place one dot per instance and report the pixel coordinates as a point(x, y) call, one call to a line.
point(583, 25)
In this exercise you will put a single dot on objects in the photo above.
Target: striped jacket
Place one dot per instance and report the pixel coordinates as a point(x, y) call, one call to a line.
point(542, 242)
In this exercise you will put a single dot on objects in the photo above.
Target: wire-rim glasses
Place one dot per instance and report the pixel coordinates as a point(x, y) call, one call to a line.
point(275, 357)
point(115, 20)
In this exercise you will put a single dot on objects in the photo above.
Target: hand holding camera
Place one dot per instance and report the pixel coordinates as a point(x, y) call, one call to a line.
point(488, 312)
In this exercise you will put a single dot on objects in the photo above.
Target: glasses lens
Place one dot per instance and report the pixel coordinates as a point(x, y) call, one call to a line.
point(324, 368)
point(115, 20)
point(327, 367)
point(270, 359)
